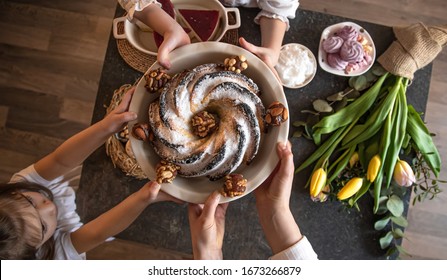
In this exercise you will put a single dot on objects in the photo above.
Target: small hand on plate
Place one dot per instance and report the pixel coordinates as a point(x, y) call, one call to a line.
point(268, 56)
point(173, 38)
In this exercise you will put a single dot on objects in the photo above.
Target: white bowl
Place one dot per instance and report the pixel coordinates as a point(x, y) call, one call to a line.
point(196, 190)
point(322, 54)
point(143, 39)
point(296, 65)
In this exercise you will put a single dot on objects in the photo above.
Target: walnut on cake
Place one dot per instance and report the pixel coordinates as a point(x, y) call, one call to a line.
point(235, 185)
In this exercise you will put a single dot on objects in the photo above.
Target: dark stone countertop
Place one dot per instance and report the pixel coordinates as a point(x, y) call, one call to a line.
point(334, 233)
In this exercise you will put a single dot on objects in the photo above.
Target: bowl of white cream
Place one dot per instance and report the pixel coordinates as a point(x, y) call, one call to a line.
point(296, 65)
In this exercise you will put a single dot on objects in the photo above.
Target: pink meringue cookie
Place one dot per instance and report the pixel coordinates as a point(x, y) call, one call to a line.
point(334, 60)
point(351, 51)
point(332, 44)
point(347, 33)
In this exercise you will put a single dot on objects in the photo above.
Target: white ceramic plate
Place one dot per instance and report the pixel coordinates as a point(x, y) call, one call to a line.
point(296, 61)
point(196, 190)
point(322, 54)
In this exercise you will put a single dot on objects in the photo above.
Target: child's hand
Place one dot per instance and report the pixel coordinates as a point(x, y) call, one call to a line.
point(151, 193)
point(173, 38)
point(269, 56)
point(116, 119)
point(207, 225)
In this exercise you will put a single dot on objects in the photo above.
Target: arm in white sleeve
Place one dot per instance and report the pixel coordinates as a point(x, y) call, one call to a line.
point(302, 250)
point(278, 9)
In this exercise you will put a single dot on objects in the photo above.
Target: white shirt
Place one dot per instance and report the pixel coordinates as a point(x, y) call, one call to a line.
point(64, 199)
point(279, 9)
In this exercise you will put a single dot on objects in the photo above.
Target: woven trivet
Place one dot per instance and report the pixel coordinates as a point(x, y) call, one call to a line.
point(116, 149)
point(142, 61)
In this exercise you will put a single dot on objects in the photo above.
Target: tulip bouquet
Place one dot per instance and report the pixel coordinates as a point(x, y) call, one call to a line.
point(361, 148)
point(373, 130)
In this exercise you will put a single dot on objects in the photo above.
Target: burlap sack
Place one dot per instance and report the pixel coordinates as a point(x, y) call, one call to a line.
point(416, 46)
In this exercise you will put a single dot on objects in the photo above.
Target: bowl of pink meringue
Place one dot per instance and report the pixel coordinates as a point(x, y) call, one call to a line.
point(346, 49)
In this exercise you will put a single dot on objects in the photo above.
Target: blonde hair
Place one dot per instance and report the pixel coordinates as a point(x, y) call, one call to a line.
point(19, 237)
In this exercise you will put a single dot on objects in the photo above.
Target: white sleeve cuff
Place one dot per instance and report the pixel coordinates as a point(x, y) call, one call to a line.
point(278, 9)
point(271, 15)
point(302, 250)
point(131, 6)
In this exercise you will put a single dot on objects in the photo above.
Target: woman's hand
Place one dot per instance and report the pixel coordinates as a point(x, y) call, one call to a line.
point(274, 193)
point(207, 225)
point(272, 202)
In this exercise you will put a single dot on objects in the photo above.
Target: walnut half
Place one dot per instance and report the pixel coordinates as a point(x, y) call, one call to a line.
point(235, 185)
point(203, 124)
point(166, 172)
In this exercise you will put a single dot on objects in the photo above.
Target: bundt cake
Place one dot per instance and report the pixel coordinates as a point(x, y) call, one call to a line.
point(237, 123)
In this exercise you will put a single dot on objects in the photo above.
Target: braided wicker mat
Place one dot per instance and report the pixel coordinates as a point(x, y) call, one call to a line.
point(119, 152)
point(141, 61)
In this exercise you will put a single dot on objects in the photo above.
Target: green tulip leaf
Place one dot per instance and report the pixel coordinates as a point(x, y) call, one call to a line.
point(350, 113)
point(363, 132)
point(423, 140)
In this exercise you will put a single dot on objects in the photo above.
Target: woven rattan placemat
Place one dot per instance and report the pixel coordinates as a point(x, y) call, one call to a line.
point(141, 61)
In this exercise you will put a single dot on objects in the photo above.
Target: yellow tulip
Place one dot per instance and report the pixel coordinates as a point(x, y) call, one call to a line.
point(403, 174)
point(373, 168)
point(351, 188)
point(317, 182)
point(354, 159)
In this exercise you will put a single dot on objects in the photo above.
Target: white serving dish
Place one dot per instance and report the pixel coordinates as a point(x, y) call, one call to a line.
point(322, 54)
point(289, 65)
point(196, 190)
point(143, 39)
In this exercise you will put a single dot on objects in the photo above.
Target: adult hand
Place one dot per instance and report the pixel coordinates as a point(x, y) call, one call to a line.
point(274, 192)
point(272, 202)
point(207, 225)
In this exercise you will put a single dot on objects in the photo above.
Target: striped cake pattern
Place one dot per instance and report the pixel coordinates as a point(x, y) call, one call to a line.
point(233, 97)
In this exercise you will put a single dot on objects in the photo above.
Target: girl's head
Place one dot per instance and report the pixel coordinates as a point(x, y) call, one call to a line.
point(28, 219)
